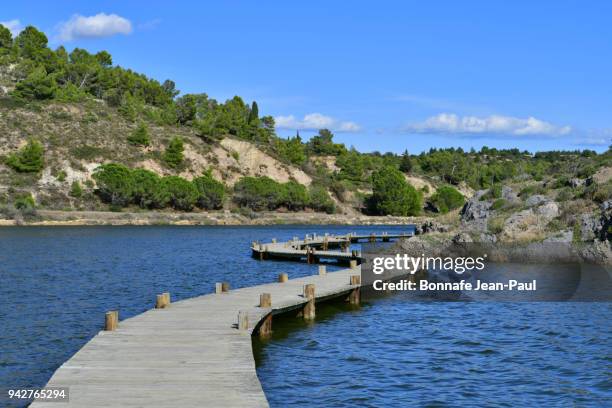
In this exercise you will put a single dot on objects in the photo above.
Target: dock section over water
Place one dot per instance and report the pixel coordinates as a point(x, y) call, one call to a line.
point(198, 352)
point(192, 353)
point(314, 248)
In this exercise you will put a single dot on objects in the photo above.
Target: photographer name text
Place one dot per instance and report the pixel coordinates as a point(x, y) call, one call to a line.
point(424, 285)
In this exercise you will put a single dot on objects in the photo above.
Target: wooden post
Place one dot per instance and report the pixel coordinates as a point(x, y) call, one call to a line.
point(355, 295)
point(265, 300)
point(218, 288)
point(265, 328)
point(243, 320)
point(283, 277)
point(111, 320)
point(308, 310)
point(322, 270)
point(225, 287)
point(353, 263)
point(166, 299)
point(274, 240)
point(160, 302)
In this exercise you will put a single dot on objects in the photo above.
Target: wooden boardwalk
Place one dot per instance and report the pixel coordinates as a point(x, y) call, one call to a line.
point(191, 353)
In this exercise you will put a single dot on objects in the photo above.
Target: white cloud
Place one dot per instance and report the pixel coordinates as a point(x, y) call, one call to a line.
point(14, 26)
point(315, 121)
point(450, 123)
point(100, 25)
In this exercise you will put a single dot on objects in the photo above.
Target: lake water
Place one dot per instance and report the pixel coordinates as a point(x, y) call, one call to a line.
point(57, 283)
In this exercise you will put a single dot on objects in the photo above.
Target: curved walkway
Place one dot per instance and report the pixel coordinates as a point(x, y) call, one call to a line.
point(190, 354)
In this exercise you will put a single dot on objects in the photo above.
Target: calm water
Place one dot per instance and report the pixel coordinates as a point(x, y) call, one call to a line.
point(56, 284)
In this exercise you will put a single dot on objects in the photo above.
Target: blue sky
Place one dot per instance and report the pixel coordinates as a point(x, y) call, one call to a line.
point(385, 76)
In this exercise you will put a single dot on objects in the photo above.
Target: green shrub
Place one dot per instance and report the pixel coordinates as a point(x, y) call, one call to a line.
point(37, 85)
point(173, 156)
point(392, 195)
point(257, 193)
point(24, 202)
point(75, 190)
point(498, 204)
point(29, 159)
point(149, 192)
point(294, 196)
point(61, 176)
point(140, 136)
point(320, 200)
point(115, 184)
point(494, 192)
point(183, 194)
point(211, 192)
point(447, 198)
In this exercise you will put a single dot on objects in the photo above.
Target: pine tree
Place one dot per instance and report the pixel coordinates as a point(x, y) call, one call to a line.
point(254, 113)
point(406, 163)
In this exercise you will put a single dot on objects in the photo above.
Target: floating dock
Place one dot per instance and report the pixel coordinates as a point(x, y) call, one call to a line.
point(315, 248)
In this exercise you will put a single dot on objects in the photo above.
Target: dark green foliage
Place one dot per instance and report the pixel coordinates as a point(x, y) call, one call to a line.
point(75, 190)
point(392, 195)
point(322, 144)
point(320, 200)
point(257, 193)
point(37, 85)
point(115, 184)
point(29, 159)
point(173, 156)
point(447, 198)
point(183, 194)
point(254, 113)
point(140, 136)
point(294, 196)
point(148, 192)
point(24, 202)
point(352, 165)
point(6, 39)
point(406, 163)
point(211, 192)
point(32, 44)
point(291, 150)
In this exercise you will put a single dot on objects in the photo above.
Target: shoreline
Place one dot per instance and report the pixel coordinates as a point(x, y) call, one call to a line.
point(92, 218)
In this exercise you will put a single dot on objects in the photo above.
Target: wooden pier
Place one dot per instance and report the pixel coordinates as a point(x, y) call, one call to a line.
point(196, 352)
point(314, 248)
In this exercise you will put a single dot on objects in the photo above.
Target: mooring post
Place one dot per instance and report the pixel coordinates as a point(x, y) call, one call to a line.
point(274, 240)
point(243, 320)
point(265, 300)
point(225, 287)
point(322, 270)
point(218, 288)
point(111, 320)
point(308, 311)
point(166, 299)
point(355, 294)
point(160, 301)
point(265, 328)
point(283, 277)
